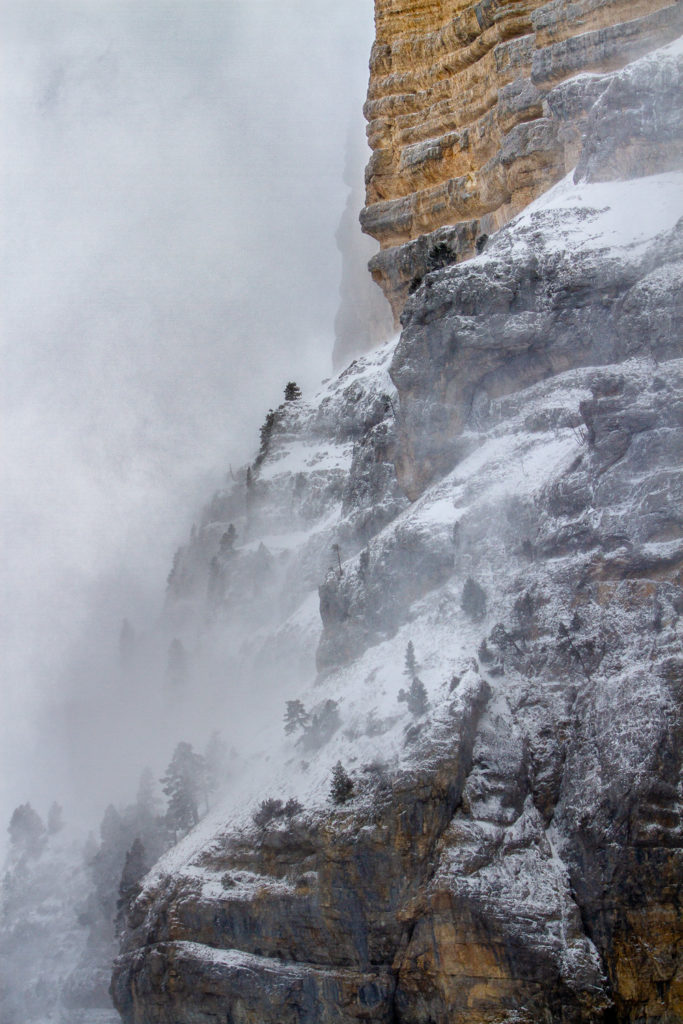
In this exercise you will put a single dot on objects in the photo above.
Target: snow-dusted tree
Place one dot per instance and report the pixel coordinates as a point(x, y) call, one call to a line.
point(184, 783)
point(415, 697)
point(410, 669)
point(26, 831)
point(341, 789)
point(105, 868)
point(135, 866)
point(265, 434)
point(296, 716)
point(292, 392)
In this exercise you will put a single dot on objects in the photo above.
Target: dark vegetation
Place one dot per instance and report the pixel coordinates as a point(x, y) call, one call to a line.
point(316, 727)
point(416, 695)
point(342, 788)
point(271, 810)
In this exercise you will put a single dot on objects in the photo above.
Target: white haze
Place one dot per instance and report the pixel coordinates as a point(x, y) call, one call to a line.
point(171, 186)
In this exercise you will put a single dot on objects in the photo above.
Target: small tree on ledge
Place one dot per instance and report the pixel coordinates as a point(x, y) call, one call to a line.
point(341, 789)
point(292, 392)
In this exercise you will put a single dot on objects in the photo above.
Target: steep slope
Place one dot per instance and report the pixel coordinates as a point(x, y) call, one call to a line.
point(512, 849)
point(474, 110)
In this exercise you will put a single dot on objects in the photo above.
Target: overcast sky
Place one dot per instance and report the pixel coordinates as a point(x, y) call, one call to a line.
point(171, 186)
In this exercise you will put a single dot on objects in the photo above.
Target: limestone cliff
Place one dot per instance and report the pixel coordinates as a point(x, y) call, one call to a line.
point(502, 490)
point(475, 109)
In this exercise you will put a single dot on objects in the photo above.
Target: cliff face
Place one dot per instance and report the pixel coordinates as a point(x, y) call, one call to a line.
point(512, 849)
point(476, 109)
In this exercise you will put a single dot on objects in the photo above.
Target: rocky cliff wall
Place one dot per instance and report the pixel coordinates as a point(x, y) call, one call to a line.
point(512, 850)
point(475, 109)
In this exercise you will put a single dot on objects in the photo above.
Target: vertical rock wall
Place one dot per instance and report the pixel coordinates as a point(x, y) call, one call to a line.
point(475, 109)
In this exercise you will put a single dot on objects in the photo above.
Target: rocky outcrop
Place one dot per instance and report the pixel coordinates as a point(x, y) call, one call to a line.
point(513, 316)
point(347, 881)
point(476, 109)
point(520, 855)
point(498, 659)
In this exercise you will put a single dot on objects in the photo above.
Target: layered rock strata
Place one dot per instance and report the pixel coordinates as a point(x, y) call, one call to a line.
point(476, 109)
point(512, 849)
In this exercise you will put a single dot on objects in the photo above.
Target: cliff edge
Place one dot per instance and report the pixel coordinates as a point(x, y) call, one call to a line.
point(463, 559)
point(476, 109)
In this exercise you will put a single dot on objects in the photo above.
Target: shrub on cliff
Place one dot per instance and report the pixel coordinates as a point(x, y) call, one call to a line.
point(274, 810)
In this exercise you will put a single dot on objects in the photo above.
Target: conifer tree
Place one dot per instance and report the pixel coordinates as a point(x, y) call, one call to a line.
point(410, 669)
point(134, 868)
point(184, 783)
point(296, 716)
point(292, 392)
point(341, 789)
point(416, 695)
point(26, 831)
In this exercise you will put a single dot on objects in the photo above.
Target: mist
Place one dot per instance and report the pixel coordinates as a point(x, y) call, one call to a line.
point(172, 183)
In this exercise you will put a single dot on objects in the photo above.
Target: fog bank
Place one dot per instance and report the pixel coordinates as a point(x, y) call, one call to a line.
point(172, 183)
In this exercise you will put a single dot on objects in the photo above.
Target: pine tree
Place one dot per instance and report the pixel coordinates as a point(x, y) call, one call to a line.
point(265, 434)
point(292, 392)
point(341, 789)
point(410, 669)
point(26, 831)
point(296, 716)
point(134, 868)
point(416, 695)
point(184, 783)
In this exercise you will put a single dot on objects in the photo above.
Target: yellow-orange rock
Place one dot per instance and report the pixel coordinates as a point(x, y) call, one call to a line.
point(471, 118)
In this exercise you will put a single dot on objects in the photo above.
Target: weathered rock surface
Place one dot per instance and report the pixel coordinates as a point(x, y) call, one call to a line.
point(476, 109)
point(520, 314)
point(515, 853)
point(522, 857)
point(513, 847)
